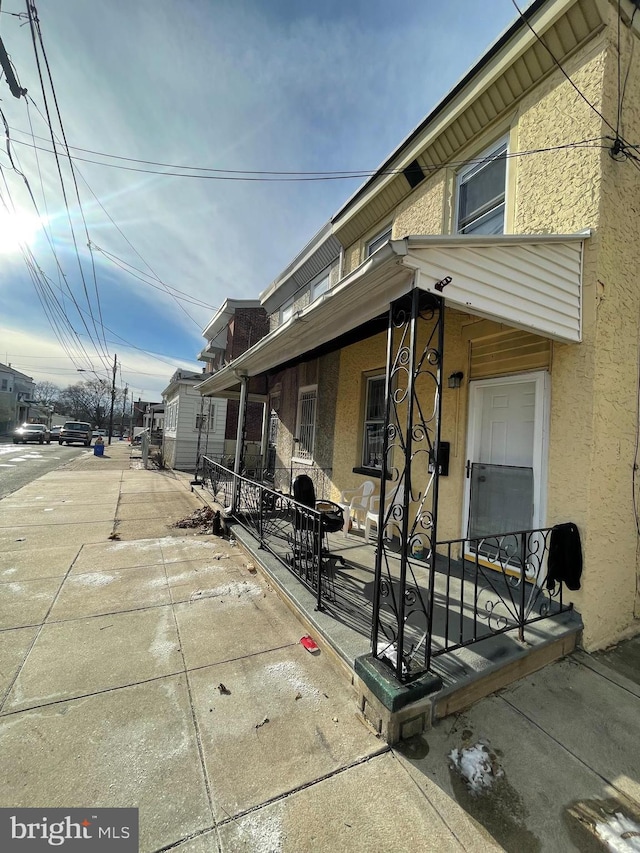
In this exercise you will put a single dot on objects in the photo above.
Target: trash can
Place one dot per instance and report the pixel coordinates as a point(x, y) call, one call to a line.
point(98, 449)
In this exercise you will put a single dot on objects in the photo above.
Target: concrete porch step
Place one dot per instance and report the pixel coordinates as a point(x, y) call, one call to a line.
point(458, 679)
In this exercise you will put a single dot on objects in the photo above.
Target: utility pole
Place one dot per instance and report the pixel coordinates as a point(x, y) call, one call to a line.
point(113, 396)
point(124, 409)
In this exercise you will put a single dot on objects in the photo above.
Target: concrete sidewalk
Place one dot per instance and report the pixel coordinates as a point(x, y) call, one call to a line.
point(158, 669)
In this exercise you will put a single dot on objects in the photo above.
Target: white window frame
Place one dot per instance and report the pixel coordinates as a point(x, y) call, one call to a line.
point(320, 284)
point(365, 421)
point(286, 310)
point(171, 417)
point(378, 240)
point(305, 445)
point(487, 156)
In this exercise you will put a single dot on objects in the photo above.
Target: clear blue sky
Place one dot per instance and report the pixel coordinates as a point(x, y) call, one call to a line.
point(281, 85)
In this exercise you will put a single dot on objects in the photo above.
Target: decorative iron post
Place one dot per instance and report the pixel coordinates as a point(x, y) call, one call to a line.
point(404, 575)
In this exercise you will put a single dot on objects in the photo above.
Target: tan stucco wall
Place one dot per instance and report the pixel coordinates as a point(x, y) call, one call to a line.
point(593, 386)
point(369, 357)
point(610, 597)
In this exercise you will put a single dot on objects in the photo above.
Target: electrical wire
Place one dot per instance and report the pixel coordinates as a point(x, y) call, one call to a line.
point(40, 281)
point(32, 12)
point(620, 144)
point(164, 286)
point(71, 167)
point(292, 177)
point(124, 265)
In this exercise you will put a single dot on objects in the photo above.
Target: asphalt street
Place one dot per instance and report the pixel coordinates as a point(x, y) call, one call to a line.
point(20, 464)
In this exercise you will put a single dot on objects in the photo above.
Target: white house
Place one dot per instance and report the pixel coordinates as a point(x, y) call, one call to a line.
point(192, 425)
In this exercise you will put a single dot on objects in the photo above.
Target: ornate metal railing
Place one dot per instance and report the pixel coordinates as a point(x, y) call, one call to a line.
point(482, 587)
point(280, 477)
point(289, 530)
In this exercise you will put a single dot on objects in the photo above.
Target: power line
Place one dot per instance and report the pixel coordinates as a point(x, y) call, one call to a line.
point(122, 264)
point(620, 145)
point(36, 21)
point(120, 231)
point(32, 12)
point(292, 177)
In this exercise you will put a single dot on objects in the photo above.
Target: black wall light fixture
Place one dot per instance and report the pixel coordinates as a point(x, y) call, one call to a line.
point(455, 379)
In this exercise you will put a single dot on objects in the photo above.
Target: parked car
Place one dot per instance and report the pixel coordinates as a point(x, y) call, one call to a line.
point(31, 432)
point(55, 432)
point(99, 432)
point(76, 431)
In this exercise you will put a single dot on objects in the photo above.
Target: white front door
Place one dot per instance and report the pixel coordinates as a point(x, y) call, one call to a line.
point(505, 468)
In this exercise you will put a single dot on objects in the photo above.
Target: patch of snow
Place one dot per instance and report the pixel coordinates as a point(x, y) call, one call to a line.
point(140, 545)
point(15, 587)
point(9, 571)
point(6, 466)
point(262, 831)
point(162, 646)
point(620, 834)
point(235, 589)
point(477, 768)
point(93, 579)
point(48, 509)
point(293, 675)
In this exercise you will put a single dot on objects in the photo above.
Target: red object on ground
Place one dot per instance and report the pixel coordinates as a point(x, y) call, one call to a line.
point(309, 643)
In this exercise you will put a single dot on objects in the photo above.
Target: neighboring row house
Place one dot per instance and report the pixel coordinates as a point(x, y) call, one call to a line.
point(195, 426)
point(477, 302)
point(16, 398)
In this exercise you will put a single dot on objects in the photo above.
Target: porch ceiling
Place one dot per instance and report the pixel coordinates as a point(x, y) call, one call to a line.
point(530, 282)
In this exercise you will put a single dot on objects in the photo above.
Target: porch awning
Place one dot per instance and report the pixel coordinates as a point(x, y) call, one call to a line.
point(530, 282)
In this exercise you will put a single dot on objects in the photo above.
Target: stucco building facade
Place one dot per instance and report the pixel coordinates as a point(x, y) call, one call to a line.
point(537, 142)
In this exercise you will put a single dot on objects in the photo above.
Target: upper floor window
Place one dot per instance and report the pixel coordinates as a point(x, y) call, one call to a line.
point(377, 241)
point(286, 312)
point(320, 286)
point(5, 384)
point(306, 423)
point(373, 436)
point(481, 193)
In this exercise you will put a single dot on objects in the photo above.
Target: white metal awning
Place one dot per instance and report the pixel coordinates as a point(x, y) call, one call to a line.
point(531, 282)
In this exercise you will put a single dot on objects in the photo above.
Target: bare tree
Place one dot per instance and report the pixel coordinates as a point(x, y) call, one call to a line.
point(46, 393)
point(88, 401)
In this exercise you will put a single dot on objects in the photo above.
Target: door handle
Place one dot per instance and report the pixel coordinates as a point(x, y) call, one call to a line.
point(468, 468)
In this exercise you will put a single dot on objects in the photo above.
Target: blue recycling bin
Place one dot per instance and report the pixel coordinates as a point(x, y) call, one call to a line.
point(98, 449)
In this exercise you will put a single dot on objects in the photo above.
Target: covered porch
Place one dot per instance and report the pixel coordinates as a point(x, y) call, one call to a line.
point(418, 606)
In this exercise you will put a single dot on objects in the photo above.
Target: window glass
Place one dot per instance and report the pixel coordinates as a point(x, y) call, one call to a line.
point(320, 287)
point(481, 194)
point(306, 420)
point(286, 311)
point(373, 437)
point(378, 241)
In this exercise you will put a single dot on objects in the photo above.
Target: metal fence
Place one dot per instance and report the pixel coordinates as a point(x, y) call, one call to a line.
point(481, 588)
point(291, 531)
point(476, 589)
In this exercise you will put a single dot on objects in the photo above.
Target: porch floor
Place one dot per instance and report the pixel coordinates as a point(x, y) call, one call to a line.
point(468, 673)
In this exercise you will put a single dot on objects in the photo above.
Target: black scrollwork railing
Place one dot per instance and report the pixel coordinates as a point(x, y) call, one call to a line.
point(481, 587)
point(492, 585)
point(290, 531)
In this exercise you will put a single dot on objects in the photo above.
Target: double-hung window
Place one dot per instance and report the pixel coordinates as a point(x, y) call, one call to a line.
point(320, 285)
point(286, 311)
point(377, 241)
point(373, 423)
point(481, 193)
point(306, 423)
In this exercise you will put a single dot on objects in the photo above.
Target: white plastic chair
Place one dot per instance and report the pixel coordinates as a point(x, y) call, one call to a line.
point(395, 496)
point(356, 501)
